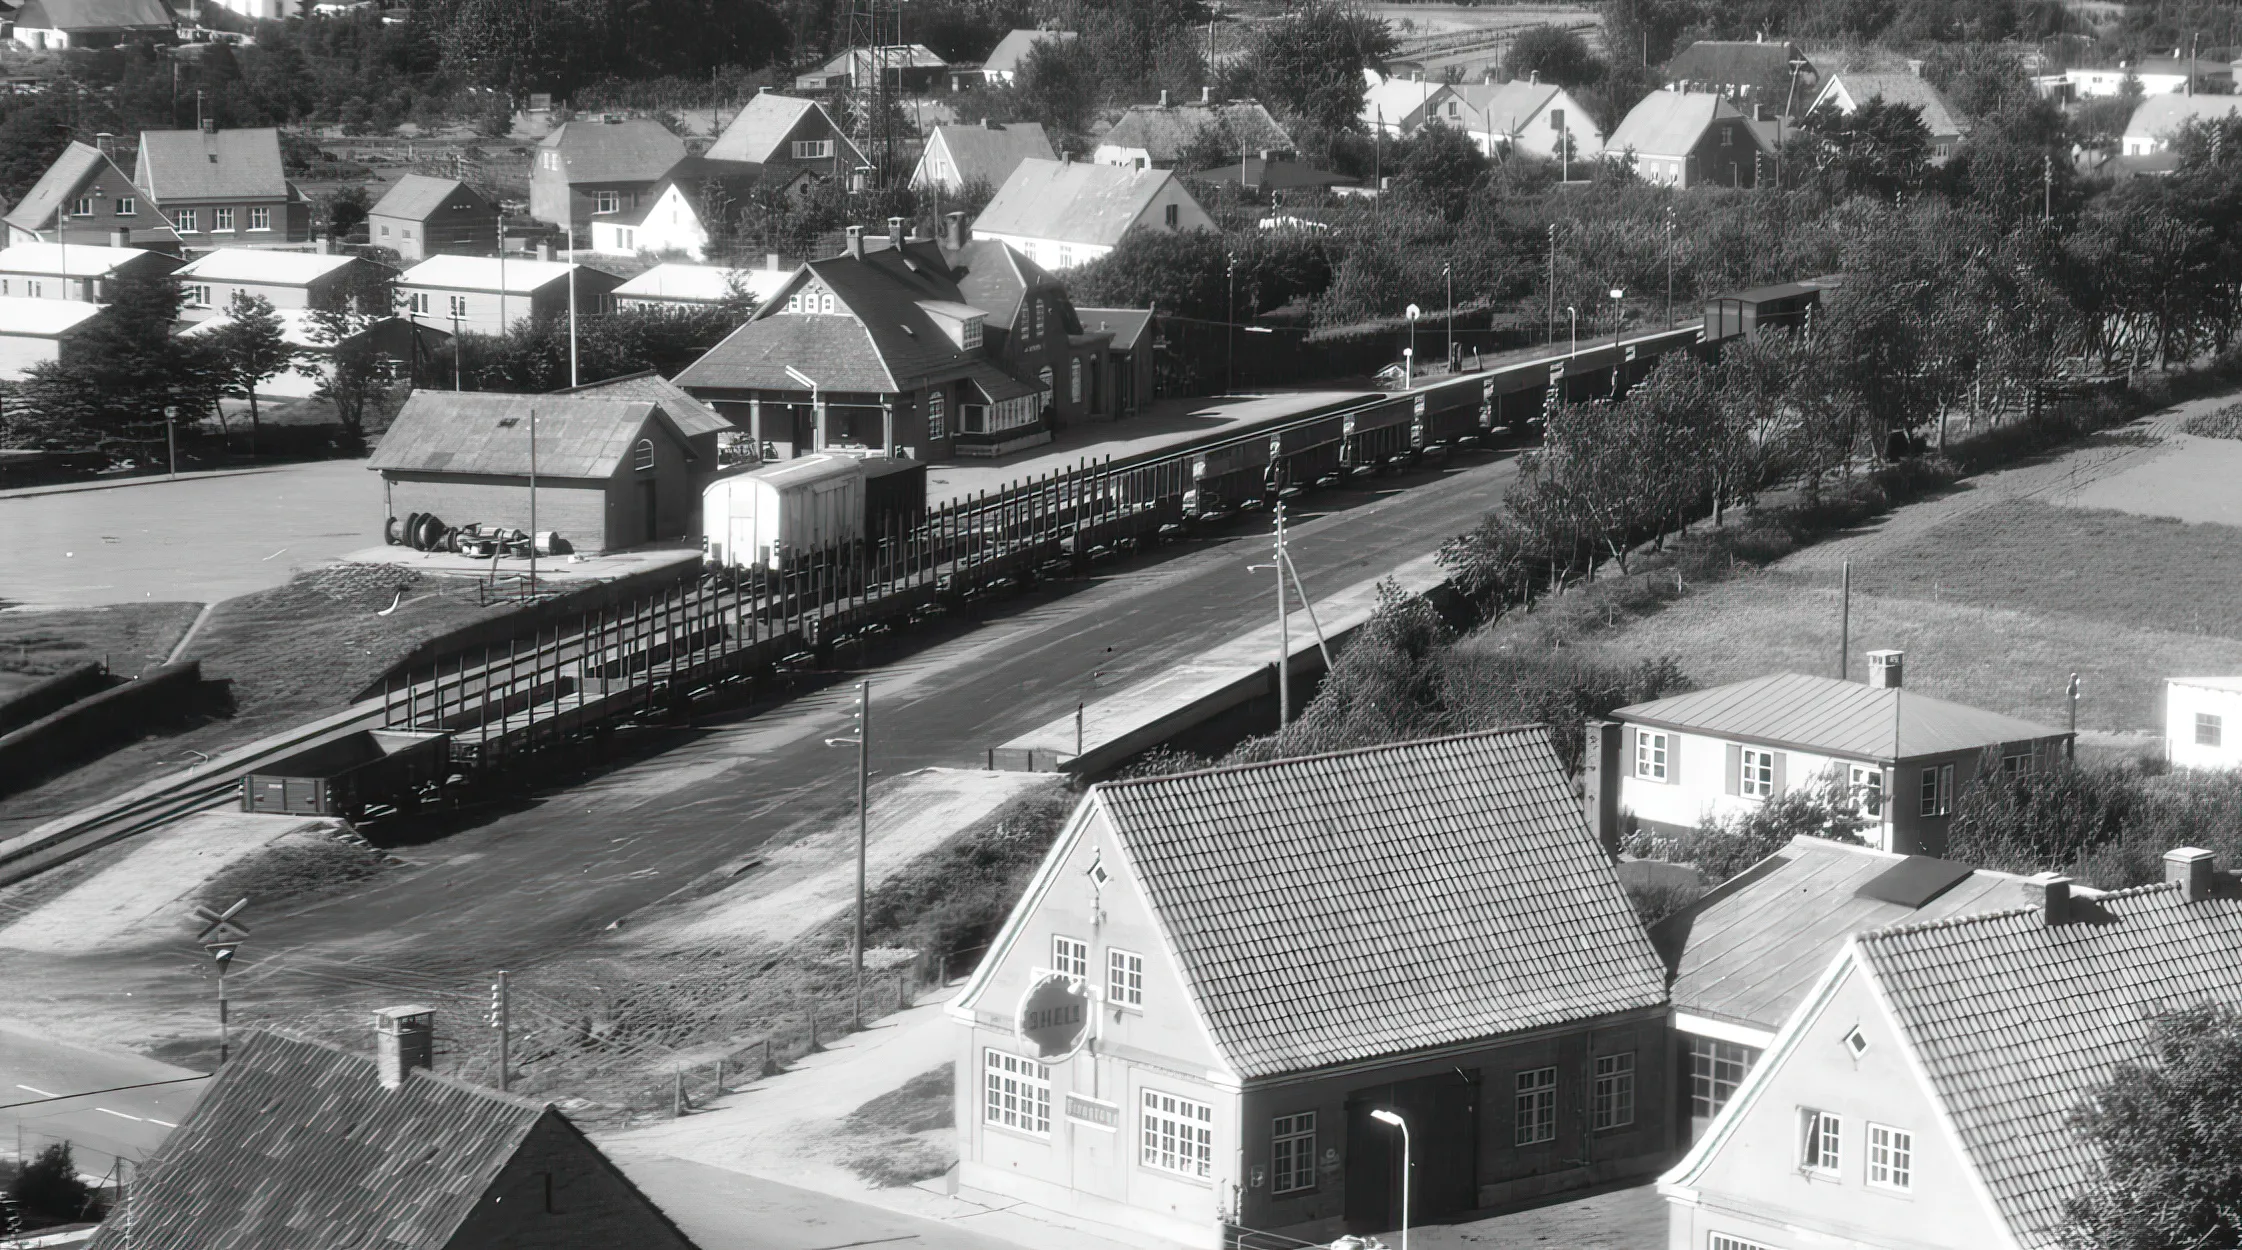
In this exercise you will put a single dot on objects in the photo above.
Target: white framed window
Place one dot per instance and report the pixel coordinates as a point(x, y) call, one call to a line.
point(2015, 763)
point(1613, 1102)
point(552, 160)
point(1035, 319)
point(185, 221)
point(1534, 1107)
point(813, 149)
point(458, 305)
point(1124, 978)
point(2210, 729)
point(825, 301)
point(1017, 1092)
point(606, 202)
point(1650, 755)
point(642, 456)
point(1891, 1157)
point(1173, 216)
point(198, 295)
point(1722, 1241)
point(127, 207)
point(1292, 1153)
point(1936, 793)
point(82, 206)
point(260, 219)
point(1178, 1135)
point(1756, 776)
point(973, 332)
point(1865, 782)
point(1074, 382)
point(937, 425)
point(1066, 256)
point(1716, 1069)
point(38, 290)
point(385, 232)
point(1821, 1146)
point(1070, 956)
point(418, 303)
point(221, 219)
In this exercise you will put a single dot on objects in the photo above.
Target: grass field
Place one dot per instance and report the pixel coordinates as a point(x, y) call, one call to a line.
point(128, 636)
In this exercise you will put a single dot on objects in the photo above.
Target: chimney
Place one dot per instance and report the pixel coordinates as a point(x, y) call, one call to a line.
point(1534, 77)
point(404, 1039)
point(544, 249)
point(895, 232)
point(1884, 669)
point(1416, 75)
point(2192, 869)
point(856, 242)
point(1163, 97)
point(107, 143)
point(2051, 893)
point(770, 261)
point(1759, 111)
point(1206, 95)
point(955, 233)
point(1066, 158)
point(120, 237)
point(325, 245)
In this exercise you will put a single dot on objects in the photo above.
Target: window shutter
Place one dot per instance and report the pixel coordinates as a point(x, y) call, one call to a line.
point(1633, 745)
point(1673, 758)
point(1735, 768)
point(1782, 758)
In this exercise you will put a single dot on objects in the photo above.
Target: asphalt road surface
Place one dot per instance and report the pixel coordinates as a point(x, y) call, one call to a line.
point(100, 1127)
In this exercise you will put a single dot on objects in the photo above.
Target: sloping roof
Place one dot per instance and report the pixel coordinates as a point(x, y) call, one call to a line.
point(481, 273)
point(711, 284)
point(470, 432)
point(82, 260)
point(1670, 123)
point(1165, 131)
point(2162, 116)
point(297, 1144)
point(179, 165)
point(1072, 202)
point(1913, 89)
point(257, 265)
point(1377, 902)
point(36, 211)
point(761, 127)
point(989, 153)
point(692, 416)
point(43, 318)
point(299, 329)
point(696, 175)
point(632, 150)
point(92, 15)
point(2232, 685)
point(1734, 62)
point(897, 56)
point(417, 195)
point(1014, 47)
point(1508, 106)
point(1393, 100)
point(1128, 325)
point(2016, 1022)
point(1841, 717)
point(1749, 952)
point(995, 276)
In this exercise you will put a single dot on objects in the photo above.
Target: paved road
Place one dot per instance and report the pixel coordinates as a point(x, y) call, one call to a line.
point(723, 1210)
point(100, 1127)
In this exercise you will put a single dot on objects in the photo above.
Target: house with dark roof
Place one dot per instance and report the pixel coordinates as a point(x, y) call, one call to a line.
point(1671, 763)
point(1846, 92)
point(715, 441)
point(957, 156)
point(605, 472)
point(1530, 116)
point(286, 280)
point(84, 197)
point(1131, 362)
point(303, 1144)
point(1749, 72)
point(1216, 981)
point(1157, 136)
point(75, 271)
point(1925, 1091)
point(43, 25)
point(222, 188)
point(677, 214)
point(598, 167)
point(1744, 957)
point(905, 66)
point(422, 216)
point(1067, 213)
point(1004, 60)
point(1689, 138)
point(787, 130)
point(487, 294)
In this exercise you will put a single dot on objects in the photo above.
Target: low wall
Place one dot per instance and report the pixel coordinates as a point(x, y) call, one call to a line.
point(52, 694)
point(98, 723)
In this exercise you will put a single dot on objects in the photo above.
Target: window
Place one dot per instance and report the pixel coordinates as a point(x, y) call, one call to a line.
point(82, 206)
point(385, 232)
point(1650, 755)
point(552, 160)
point(1124, 978)
point(1722, 1241)
point(126, 207)
point(198, 296)
point(1891, 1157)
point(1070, 956)
point(3, 286)
point(1178, 1135)
point(1074, 385)
point(1937, 791)
point(1172, 215)
point(1452, 110)
point(184, 220)
point(607, 202)
point(1035, 319)
point(2210, 729)
point(458, 305)
point(1821, 1144)
point(221, 219)
point(1292, 1153)
point(38, 290)
point(1866, 784)
point(419, 303)
point(973, 332)
point(642, 456)
point(1614, 1094)
point(812, 149)
point(1728, 136)
point(936, 425)
point(1715, 1070)
point(1066, 256)
point(261, 219)
point(1534, 1109)
point(1757, 778)
point(1017, 1093)
point(2015, 763)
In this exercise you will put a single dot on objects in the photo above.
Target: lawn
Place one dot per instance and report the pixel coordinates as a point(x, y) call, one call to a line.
point(129, 637)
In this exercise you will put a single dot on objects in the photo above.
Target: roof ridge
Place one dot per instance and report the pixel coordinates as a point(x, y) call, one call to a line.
point(1952, 922)
point(1254, 765)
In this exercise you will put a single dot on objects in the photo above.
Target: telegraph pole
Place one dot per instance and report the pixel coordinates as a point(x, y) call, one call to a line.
point(501, 1020)
point(863, 744)
point(1552, 284)
point(1284, 632)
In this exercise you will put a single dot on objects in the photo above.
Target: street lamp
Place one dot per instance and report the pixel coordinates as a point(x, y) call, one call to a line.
point(1574, 313)
point(1230, 323)
point(1383, 1116)
point(1616, 296)
point(1409, 358)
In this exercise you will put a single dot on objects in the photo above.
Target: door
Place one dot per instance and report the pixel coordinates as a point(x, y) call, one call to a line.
point(649, 504)
point(1442, 1113)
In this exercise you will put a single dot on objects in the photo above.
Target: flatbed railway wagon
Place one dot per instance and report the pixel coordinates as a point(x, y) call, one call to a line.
point(392, 768)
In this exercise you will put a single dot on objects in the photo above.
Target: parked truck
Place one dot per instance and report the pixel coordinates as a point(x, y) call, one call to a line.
point(784, 513)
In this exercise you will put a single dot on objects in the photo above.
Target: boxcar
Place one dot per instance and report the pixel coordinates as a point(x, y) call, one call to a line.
point(391, 767)
point(785, 512)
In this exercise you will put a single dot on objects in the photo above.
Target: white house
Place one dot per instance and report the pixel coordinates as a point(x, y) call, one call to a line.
point(1065, 213)
point(1003, 65)
point(399, 345)
point(671, 284)
point(1846, 92)
point(1528, 116)
point(1398, 106)
point(1689, 138)
point(487, 294)
point(74, 271)
point(958, 156)
point(35, 331)
point(669, 220)
point(2160, 118)
point(287, 280)
point(2203, 721)
point(2157, 75)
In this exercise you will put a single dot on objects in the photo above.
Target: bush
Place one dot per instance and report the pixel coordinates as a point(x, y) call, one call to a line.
point(48, 1190)
point(2049, 816)
point(954, 898)
point(2225, 423)
point(1722, 847)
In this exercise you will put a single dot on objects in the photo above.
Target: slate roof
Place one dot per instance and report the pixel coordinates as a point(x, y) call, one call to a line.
point(1014, 48)
point(990, 153)
point(1071, 202)
point(43, 318)
point(1846, 718)
point(181, 165)
point(1127, 325)
point(2016, 1022)
point(82, 260)
point(1165, 131)
point(1749, 952)
point(481, 273)
point(416, 196)
point(692, 416)
point(1911, 89)
point(95, 15)
point(257, 265)
point(1383, 901)
point(60, 182)
point(1735, 62)
point(461, 432)
point(2162, 116)
point(759, 130)
point(1670, 123)
point(633, 150)
point(994, 276)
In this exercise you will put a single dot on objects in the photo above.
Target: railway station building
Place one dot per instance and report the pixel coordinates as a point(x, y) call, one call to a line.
point(1222, 989)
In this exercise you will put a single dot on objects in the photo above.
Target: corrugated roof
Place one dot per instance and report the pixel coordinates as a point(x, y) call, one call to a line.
point(258, 265)
point(758, 132)
point(1749, 952)
point(989, 153)
point(676, 280)
point(417, 195)
point(632, 150)
point(2162, 116)
point(693, 418)
point(1840, 717)
point(1014, 48)
point(1164, 131)
point(1377, 902)
point(180, 165)
point(470, 432)
point(1913, 89)
point(82, 260)
point(1670, 123)
point(2017, 1022)
point(96, 15)
point(1074, 202)
point(1128, 325)
point(43, 318)
point(57, 186)
point(481, 273)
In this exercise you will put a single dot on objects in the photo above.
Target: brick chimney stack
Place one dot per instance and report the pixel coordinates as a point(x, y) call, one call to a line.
point(856, 241)
point(1885, 669)
point(2051, 893)
point(955, 233)
point(404, 1039)
point(2193, 869)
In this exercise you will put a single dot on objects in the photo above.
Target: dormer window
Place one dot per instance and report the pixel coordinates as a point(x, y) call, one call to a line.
point(970, 334)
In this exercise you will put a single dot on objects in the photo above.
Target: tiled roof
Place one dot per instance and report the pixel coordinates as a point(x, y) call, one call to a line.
point(691, 415)
point(1164, 131)
point(2162, 116)
point(1669, 123)
point(1378, 902)
point(82, 260)
point(758, 132)
point(1914, 89)
point(1749, 952)
point(988, 153)
point(297, 1144)
point(1014, 48)
point(179, 165)
point(1128, 325)
point(632, 150)
point(1846, 718)
point(1071, 202)
point(95, 15)
point(56, 186)
point(994, 276)
point(417, 195)
point(43, 318)
point(470, 432)
point(2017, 1022)
point(259, 265)
point(1735, 62)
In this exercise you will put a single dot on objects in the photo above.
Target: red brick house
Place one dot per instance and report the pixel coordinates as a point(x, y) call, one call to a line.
point(87, 199)
point(599, 166)
point(222, 188)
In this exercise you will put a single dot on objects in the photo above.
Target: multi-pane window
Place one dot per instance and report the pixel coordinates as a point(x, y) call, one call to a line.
point(184, 221)
point(458, 305)
point(642, 456)
point(812, 149)
point(1035, 319)
point(418, 302)
point(1650, 755)
point(198, 296)
point(1937, 794)
point(1534, 1107)
point(1017, 1093)
point(1292, 1153)
point(973, 332)
point(2015, 763)
point(607, 202)
point(261, 219)
point(126, 207)
point(1821, 1140)
point(1070, 956)
point(82, 206)
point(2210, 729)
point(1891, 1157)
point(1613, 1102)
point(1124, 978)
point(936, 423)
point(1178, 1135)
point(1715, 1070)
point(221, 219)
point(38, 290)
point(1756, 776)
point(1722, 1241)
point(1866, 783)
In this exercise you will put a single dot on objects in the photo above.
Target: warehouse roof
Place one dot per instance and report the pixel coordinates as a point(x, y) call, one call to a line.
point(627, 150)
point(1841, 717)
point(691, 415)
point(1005, 58)
point(470, 432)
point(180, 165)
point(262, 267)
point(1072, 202)
point(43, 318)
point(79, 259)
point(1164, 131)
point(416, 196)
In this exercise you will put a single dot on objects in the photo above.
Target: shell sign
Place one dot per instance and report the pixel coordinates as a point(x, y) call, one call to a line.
point(1055, 1014)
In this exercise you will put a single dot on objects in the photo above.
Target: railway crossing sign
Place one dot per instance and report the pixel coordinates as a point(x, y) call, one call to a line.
point(222, 928)
point(222, 952)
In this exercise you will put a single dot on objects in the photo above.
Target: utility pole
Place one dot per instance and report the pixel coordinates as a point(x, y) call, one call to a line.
point(1669, 266)
point(1284, 632)
point(532, 487)
point(501, 1020)
point(2047, 187)
point(2071, 746)
point(171, 438)
point(863, 744)
point(1230, 321)
point(1552, 337)
point(1845, 622)
point(1448, 344)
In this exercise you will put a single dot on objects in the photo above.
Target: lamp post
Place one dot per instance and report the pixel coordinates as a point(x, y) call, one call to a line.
point(863, 744)
point(1448, 276)
point(1552, 282)
point(1616, 296)
point(1383, 1116)
point(1574, 313)
point(455, 351)
point(1669, 266)
point(1230, 319)
point(1409, 358)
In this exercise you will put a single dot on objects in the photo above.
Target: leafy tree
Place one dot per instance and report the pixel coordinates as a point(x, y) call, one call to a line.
point(350, 373)
point(345, 209)
point(48, 1188)
point(125, 368)
point(1309, 64)
point(1721, 847)
point(1560, 56)
point(249, 350)
point(2050, 816)
point(1442, 172)
point(1182, 273)
point(1059, 84)
point(2164, 1129)
point(513, 46)
point(1880, 149)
